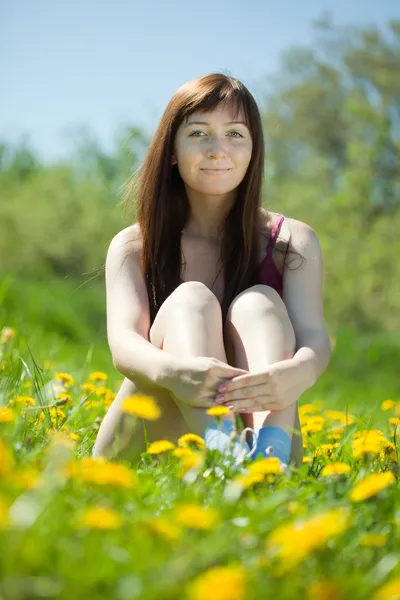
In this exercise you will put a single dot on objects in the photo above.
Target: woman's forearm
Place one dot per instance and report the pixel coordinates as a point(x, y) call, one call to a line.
point(312, 357)
point(140, 361)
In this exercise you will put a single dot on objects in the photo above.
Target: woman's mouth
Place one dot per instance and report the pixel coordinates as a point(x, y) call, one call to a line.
point(215, 171)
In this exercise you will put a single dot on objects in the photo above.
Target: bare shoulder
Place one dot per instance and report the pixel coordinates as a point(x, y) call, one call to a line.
point(128, 240)
point(303, 238)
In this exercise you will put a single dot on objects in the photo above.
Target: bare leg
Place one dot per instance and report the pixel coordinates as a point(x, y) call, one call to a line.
point(191, 325)
point(259, 333)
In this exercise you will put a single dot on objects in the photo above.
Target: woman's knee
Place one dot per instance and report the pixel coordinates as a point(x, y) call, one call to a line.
point(189, 298)
point(256, 301)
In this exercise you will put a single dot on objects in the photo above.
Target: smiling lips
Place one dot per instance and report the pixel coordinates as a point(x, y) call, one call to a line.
point(215, 171)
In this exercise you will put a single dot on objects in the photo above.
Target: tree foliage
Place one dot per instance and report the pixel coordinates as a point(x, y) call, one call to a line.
point(332, 127)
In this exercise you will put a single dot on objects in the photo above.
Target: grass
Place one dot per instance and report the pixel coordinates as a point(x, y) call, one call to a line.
point(182, 524)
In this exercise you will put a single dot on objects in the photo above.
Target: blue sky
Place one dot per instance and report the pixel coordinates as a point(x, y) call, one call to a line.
point(103, 64)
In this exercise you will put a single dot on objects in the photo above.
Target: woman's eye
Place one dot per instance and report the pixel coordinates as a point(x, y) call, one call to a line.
point(193, 133)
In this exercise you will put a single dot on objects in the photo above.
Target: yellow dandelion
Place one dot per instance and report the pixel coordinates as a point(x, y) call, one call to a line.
point(195, 516)
point(268, 465)
point(248, 480)
point(336, 468)
point(307, 409)
point(4, 518)
point(336, 434)
point(100, 517)
point(143, 407)
point(217, 411)
point(160, 446)
point(188, 459)
point(395, 421)
point(219, 583)
point(64, 398)
point(313, 424)
point(101, 391)
point(7, 333)
point(22, 401)
point(397, 409)
point(101, 472)
point(88, 388)
point(373, 539)
point(164, 528)
point(390, 591)
point(371, 485)
point(294, 541)
point(368, 442)
point(97, 376)
point(325, 449)
point(92, 404)
point(307, 459)
point(387, 404)
point(27, 478)
point(65, 379)
point(7, 461)
point(7, 414)
point(191, 439)
point(339, 415)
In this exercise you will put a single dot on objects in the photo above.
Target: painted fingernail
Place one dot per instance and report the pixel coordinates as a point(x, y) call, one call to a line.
point(241, 410)
point(222, 388)
point(229, 406)
point(219, 398)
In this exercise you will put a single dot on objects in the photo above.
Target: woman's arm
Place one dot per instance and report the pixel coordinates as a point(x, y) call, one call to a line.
point(128, 315)
point(303, 297)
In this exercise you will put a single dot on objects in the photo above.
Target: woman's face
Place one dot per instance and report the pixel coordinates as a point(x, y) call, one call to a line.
point(212, 156)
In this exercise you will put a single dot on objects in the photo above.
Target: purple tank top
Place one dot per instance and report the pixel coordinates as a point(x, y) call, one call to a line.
point(268, 271)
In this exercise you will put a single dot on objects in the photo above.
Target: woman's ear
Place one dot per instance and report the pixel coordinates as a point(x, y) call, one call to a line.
point(173, 160)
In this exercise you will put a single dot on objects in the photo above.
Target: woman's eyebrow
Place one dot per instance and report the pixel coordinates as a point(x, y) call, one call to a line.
point(206, 123)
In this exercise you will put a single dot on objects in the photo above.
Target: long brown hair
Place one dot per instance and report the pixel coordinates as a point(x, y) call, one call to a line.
point(162, 205)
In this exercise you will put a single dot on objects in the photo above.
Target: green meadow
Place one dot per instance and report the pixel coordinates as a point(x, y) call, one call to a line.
point(182, 522)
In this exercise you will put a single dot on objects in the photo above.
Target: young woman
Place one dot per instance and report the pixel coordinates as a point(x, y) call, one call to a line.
point(210, 297)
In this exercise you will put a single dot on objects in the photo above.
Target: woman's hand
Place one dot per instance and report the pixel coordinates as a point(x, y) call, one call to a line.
point(195, 381)
point(275, 388)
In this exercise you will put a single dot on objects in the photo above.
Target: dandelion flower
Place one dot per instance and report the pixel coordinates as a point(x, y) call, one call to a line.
point(371, 485)
point(390, 591)
point(336, 468)
point(248, 480)
point(188, 459)
point(97, 376)
point(100, 471)
point(373, 539)
point(143, 407)
point(219, 583)
point(7, 414)
point(22, 401)
point(65, 379)
point(195, 516)
point(387, 404)
point(217, 411)
point(100, 517)
point(268, 465)
point(4, 519)
point(6, 458)
point(160, 446)
point(294, 541)
point(191, 439)
point(164, 528)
